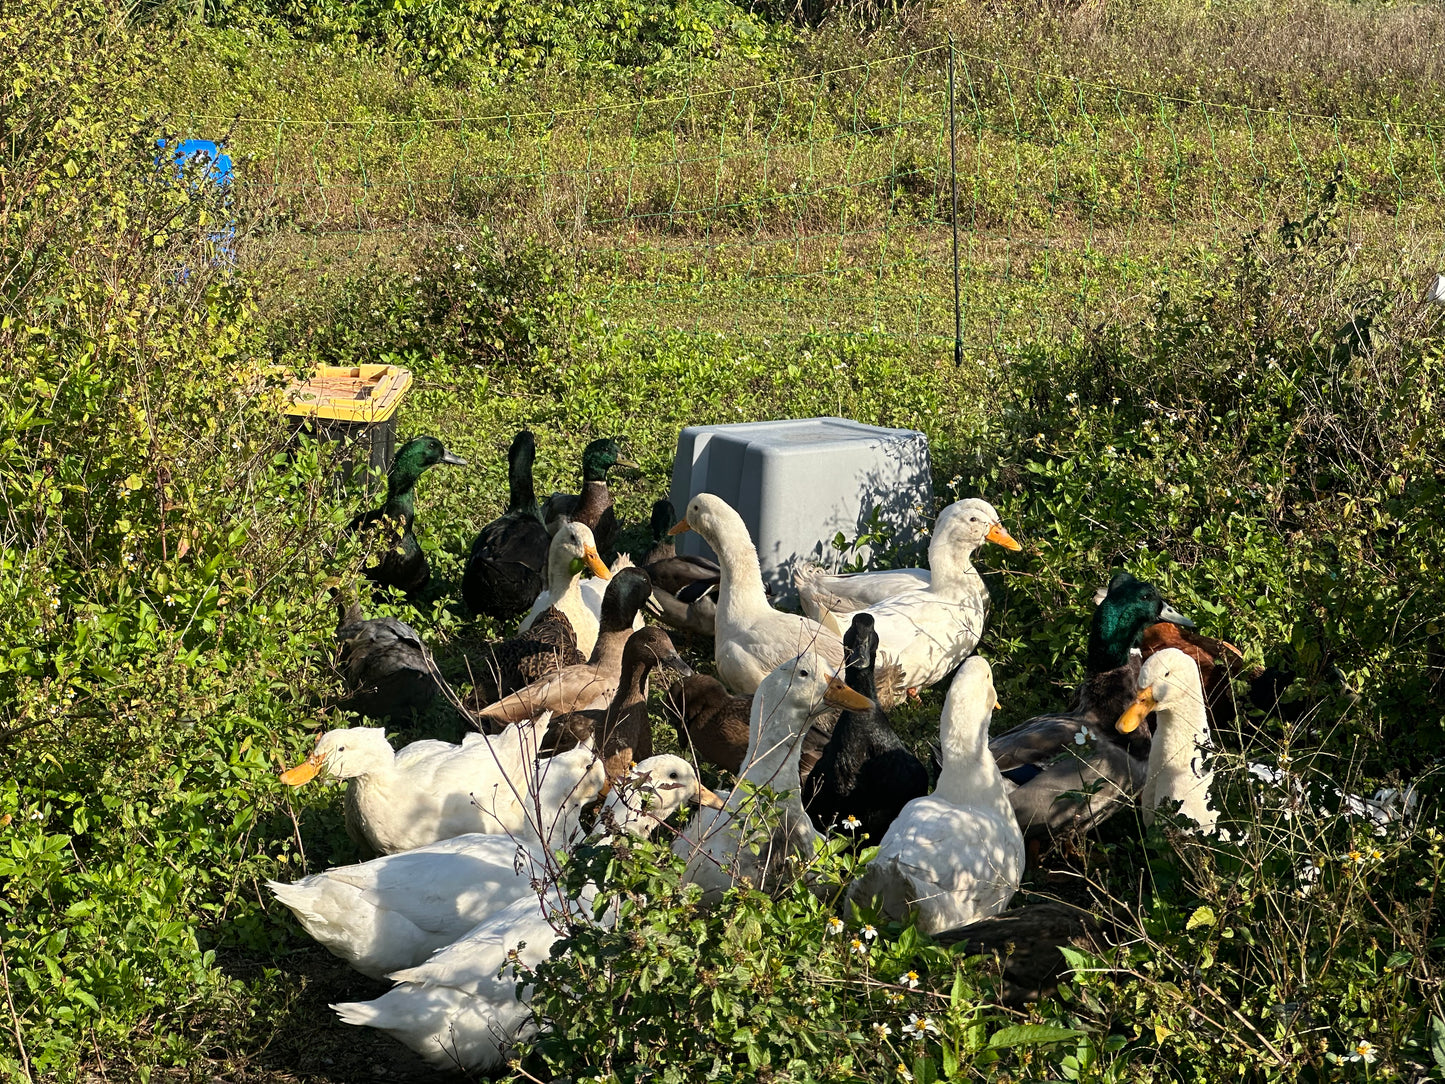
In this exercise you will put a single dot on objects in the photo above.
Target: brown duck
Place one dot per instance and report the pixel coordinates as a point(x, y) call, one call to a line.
point(714, 724)
point(587, 685)
point(621, 732)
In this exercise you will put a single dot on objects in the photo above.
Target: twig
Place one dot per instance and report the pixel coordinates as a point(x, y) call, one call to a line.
point(15, 1018)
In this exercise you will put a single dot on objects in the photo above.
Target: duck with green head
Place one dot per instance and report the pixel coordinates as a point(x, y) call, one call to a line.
point(400, 562)
point(1074, 769)
point(593, 506)
point(508, 561)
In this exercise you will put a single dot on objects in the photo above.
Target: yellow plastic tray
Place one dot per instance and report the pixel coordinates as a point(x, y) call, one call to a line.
point(356, 393)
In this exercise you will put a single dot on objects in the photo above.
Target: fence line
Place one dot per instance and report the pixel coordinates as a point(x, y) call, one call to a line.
point(930, 196)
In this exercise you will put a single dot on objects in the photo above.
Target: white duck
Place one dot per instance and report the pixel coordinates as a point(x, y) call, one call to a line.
point(958, 854)
point(752, 639)
point(926, 633)
point(751, 837)
point(822, 592)
point(1177, 772)
point(573, 551)
point(394, 912)
point(432, 790)
point(460, 1009)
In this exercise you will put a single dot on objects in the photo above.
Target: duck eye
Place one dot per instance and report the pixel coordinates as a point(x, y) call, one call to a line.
point(341, 748)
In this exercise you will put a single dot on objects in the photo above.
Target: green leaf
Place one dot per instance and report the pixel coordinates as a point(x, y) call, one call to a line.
point(1202, 916)
point(1437, 1041)
point(1026, 1034)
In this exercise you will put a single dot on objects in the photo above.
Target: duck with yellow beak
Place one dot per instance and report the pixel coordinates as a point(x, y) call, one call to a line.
point(573, 552)
point(1178, 771)
point(763, 821)
point(926, 634)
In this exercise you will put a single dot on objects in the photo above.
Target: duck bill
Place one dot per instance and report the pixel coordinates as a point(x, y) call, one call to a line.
point(680, 527)
point(453, 460)
point(708, 799)
point(840, 696)
point(999, 536)
point(594, 562)
point(630, 464)
point(304, 772)
point(1135, 713)
point(677, 666)
point(1174, 617)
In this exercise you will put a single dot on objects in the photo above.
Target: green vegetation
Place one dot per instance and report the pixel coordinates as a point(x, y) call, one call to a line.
point(1193, 348)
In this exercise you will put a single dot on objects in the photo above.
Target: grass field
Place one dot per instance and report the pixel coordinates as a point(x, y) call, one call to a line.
point(1188, 350)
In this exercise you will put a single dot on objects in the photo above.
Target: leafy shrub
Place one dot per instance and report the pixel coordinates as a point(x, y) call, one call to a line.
point(489, 39)
point(467, 297)
point(161, 589)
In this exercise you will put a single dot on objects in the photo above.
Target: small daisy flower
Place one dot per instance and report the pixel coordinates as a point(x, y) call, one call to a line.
point(1285, 760)
point(903, 1072)
point(1376, 854)
point(1083, 736)
point(1357, 857)
point(894, 996)
point(909, 979)
point(881, 1031)
point(857, 946)
point(869, 932)
point(834, 926)
point(919, 1026)
point(1364, 1051)
point(852, 823)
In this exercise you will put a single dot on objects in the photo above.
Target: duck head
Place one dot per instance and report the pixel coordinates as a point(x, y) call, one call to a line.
point(649, 648)
point(1128, 608)
point(343, 754)
point(968, 524)
point(627, 593)
point(1168, 682)
point(711, 517)
point(656, 789)
point(663, 517)
point(805, 686)
point(574, 551)
point(599, 457)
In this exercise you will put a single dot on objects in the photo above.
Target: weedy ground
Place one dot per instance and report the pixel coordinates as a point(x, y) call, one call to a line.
point(1194, 243)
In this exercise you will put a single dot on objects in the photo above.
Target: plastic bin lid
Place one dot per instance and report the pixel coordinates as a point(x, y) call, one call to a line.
point(357, 393)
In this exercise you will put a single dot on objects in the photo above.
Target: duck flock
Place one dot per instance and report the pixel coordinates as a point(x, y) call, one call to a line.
point(467, 836)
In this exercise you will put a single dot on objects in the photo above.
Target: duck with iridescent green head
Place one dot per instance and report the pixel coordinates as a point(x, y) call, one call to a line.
point(398, 559)
point(1074, 769)
point(593, 506)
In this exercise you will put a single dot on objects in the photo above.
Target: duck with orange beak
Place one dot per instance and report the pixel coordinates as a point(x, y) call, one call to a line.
point(926, 634)
point(1169, 687)
point(763, 821)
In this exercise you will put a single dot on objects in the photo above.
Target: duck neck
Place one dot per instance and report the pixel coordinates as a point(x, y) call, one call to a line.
point(1177, 771)
point(627, 714)
point(593, 501)
point(950, 566)
point(521, 496)
point(772, 756)
point(740, 588)
point(969, 771)
point(607, 652)
point(1112, 632)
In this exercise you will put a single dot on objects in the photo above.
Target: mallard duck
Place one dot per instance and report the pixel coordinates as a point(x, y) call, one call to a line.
point(956, 855)
point(1177, 770)
point(512, 664)
point(461, 1008)
point(394, 912)
point(753, 639)
point(1073, 769)
point(573, 551)
point(593, 506)
point(752, 835)
point(865, 772)
point(387, 667)
point(713, 725)
point(594, 683)
point(927, 633)
point(402, 564)
point(505, 567)
point(822, 592)
point(622, 732)
point(430, 790)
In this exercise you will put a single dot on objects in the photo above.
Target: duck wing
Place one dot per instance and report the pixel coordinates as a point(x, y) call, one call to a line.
point(506, 568)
